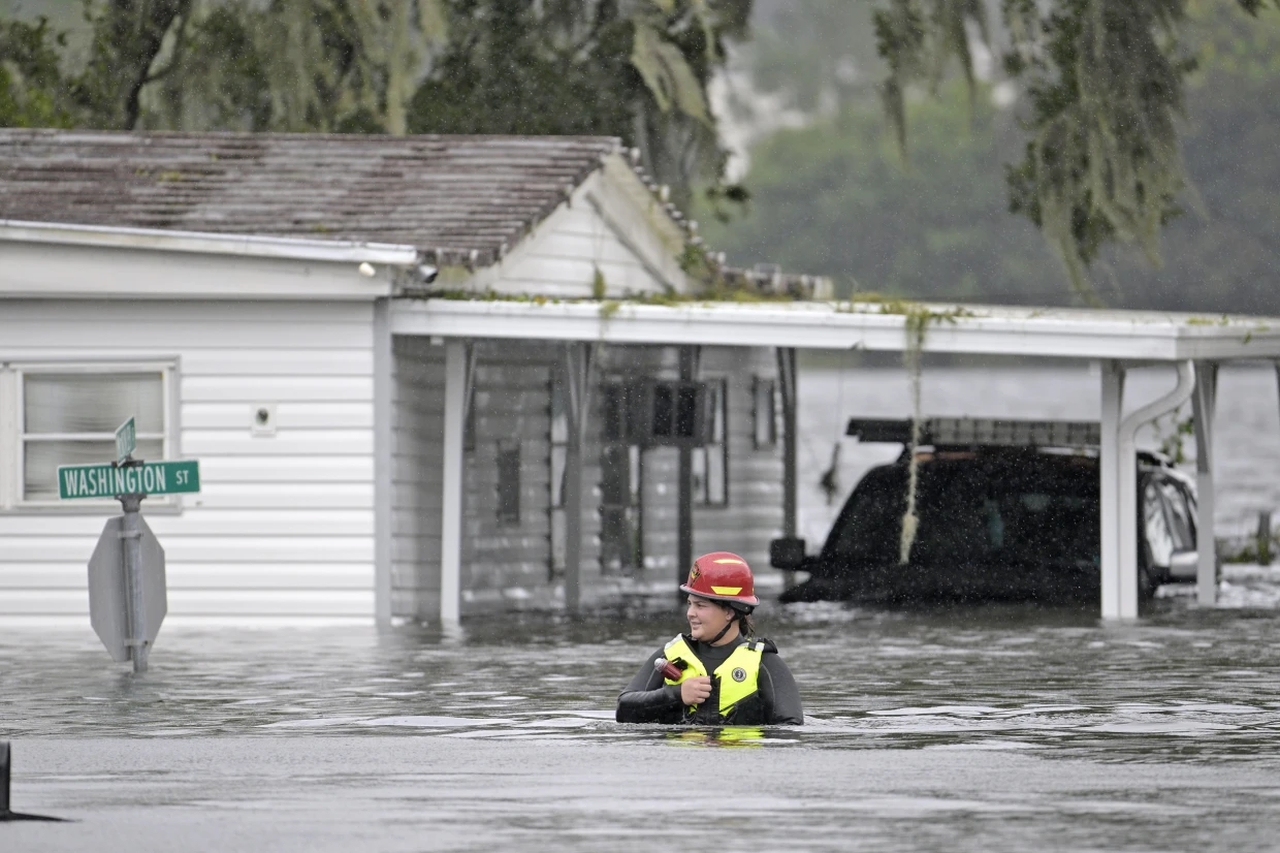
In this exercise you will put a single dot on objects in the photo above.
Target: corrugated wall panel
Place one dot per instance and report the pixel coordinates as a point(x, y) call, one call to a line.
point(283, 526)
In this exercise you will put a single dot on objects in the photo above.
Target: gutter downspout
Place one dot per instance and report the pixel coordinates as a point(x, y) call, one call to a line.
point(1128, 492)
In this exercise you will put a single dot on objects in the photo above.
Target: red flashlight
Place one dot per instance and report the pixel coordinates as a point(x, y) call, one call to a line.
point(668, 669)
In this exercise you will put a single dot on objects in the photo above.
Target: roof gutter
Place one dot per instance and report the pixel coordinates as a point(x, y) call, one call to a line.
point(197, 242)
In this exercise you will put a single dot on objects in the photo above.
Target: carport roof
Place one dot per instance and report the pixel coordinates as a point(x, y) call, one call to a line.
point(974, 329)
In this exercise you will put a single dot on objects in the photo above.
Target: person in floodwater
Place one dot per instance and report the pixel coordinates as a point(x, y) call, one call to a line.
point(718, 673)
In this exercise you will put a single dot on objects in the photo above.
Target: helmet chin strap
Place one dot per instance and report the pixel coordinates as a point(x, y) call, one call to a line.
point(725, 629)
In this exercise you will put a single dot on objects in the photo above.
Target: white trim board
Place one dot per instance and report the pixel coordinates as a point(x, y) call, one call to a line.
point(105, 236)
point(975, 330)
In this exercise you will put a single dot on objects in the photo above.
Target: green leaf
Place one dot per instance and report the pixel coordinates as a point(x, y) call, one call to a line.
point(667, 74)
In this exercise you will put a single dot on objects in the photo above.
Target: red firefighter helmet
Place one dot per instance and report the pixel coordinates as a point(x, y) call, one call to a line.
point(722, 576)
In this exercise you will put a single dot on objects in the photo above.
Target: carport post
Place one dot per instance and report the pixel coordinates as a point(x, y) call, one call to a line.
point(1109, 470)
point(1203, 407)
point(690, 358)
point(1127, 515)
point(787, 377)
point(455, 419)
point(577, 371)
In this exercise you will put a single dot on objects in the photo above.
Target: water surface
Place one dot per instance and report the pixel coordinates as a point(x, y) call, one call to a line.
point(978, 728)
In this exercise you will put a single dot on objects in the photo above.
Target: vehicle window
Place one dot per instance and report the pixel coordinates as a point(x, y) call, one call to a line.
point(1159, 535)
point(959, 522)
point(974, 513)
point(871, 522)
point(1044, 515)
point(1181, 525)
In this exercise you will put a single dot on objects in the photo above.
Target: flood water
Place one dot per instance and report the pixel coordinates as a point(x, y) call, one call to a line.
point(999, 728)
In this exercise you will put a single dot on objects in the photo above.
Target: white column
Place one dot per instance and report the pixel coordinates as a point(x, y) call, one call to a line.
point(787, 381)
point(1204, 406)
point(577, 372)
point(1109, 471)
point(455, 417)
point(1127, 512)
point(383, 416)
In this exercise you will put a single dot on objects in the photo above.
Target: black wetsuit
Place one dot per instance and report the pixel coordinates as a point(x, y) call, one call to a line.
point(648, 699)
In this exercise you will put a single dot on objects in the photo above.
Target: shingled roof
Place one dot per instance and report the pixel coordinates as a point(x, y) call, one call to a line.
point(454, 197)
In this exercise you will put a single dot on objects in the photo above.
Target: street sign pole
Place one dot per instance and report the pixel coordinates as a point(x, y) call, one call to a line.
point(130, 540)
point(130, 535)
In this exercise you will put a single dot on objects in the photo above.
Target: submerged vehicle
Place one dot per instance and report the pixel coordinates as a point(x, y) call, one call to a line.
point(1007, 511)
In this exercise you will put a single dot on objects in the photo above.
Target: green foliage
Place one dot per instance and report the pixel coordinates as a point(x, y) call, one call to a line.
point(128, 36)
point(637, 69)
point(836, 199)
point(817, 55)
point(1222, 255)
point(1105, 84)
point(31, 87)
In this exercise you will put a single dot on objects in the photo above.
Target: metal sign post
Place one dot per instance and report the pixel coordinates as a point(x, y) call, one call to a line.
point(128, 598)
point(130, 534)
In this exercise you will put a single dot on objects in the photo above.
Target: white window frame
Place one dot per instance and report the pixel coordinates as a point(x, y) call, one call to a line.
point(12, 418)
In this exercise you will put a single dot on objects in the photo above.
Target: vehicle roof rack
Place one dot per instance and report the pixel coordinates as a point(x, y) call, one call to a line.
point(944, 432)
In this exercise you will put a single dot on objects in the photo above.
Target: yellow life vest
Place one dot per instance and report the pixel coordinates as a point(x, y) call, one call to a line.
point(738, 676)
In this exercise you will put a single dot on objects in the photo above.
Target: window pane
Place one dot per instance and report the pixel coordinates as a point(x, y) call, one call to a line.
point(715, 392)
point(42, 458)
point(559, 470)
point(765, 418)
point(716, 480)
point(663, 410)
point(1180, 524)
point(698, 466)
point(612, 412)
point(686, 414)
point(559, 414)
point(509, 482)
point(97, 402)
point(1159, 537)
point(558, 540)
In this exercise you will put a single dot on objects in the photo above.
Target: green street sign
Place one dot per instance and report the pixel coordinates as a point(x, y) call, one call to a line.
point(126, 440)
point(108, 481)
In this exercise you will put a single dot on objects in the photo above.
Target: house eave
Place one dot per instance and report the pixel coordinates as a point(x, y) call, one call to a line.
point(972, 330)
point(282, 248)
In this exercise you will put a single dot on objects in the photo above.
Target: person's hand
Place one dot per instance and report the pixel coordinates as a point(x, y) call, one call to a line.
point(694, 691)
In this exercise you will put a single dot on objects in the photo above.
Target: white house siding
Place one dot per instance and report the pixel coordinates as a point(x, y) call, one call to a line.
point(283, 526)
point(600, 229)
point(416, 484)
point(753, 514)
